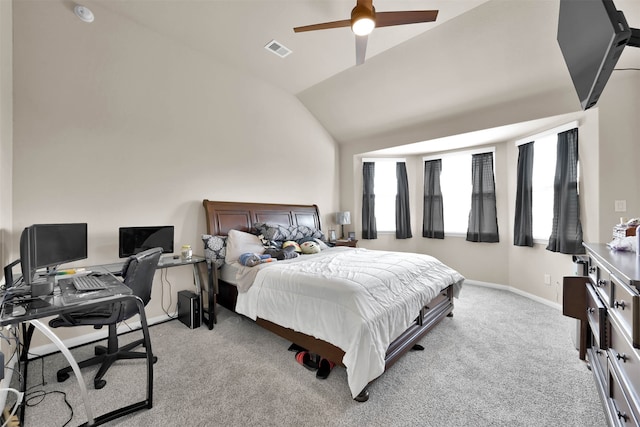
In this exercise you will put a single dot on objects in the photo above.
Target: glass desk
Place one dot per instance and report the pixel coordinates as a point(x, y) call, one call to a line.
point(64, 300)
point(201, 270)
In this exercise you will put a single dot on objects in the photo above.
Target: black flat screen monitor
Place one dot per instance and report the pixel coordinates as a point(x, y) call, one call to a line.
point(50, 245)
point(591, 35)
point(137, 239)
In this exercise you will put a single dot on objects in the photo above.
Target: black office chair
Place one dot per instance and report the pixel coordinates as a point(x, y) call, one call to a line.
point(138, 274)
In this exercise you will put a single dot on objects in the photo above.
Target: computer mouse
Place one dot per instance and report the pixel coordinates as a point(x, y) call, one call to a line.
point(18, 310)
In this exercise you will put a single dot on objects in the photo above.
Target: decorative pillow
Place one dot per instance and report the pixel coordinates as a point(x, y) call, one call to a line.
point(215, 249)
point(239, 242)
point(282, 233)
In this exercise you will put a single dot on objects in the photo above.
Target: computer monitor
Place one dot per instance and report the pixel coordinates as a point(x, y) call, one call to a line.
point(137, 239)
point(50, 245)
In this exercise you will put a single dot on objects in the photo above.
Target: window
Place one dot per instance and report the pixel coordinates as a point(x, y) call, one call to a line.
point(456, 186)
point(455, 181)
point(543, 171)
point(385, 187)
point(544, 166)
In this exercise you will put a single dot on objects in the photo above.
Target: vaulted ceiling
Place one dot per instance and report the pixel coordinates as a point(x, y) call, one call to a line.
point(477, 54)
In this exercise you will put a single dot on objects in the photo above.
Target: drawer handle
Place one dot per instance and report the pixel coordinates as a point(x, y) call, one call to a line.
point(622, 356)
point(621, 305)
point(623, 416)
point(602, 283)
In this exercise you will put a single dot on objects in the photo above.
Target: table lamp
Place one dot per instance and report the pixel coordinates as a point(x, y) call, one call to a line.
point(343, 218)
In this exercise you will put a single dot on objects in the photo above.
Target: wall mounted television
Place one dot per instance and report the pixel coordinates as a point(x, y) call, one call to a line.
point(592, 34)
point(50, 245)
point(132, 240)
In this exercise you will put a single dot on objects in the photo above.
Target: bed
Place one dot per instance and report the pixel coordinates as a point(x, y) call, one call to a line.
point(300, 278)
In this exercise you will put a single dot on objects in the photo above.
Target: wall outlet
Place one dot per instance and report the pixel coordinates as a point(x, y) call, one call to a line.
point(620, 205)
point(547, 279)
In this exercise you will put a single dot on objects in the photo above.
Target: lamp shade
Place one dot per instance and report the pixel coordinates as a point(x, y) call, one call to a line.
point(343, 218)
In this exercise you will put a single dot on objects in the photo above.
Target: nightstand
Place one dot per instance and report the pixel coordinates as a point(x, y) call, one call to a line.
point(350, 243)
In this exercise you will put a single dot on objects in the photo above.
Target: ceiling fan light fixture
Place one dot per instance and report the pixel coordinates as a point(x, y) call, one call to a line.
point(363, 26)
point(363, 20)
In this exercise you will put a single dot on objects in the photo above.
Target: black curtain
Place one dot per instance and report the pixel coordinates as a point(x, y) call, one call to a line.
point(369, 229)
point(566, 231)
point(403, 216)
point(523, 223)
point(483, 220)
point(433, 214)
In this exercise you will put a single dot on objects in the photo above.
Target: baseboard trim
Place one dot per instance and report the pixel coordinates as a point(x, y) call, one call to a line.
point(515, 291)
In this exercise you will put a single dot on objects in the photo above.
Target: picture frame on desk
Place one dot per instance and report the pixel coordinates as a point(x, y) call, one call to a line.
point(332, 235)
point(352, 235)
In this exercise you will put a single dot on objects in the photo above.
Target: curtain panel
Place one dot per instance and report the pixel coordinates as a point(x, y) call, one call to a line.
point(483, 220)
point(523, 222)
point(566, 231)
point(403, 216)
point(369, 229)
point(433, 211)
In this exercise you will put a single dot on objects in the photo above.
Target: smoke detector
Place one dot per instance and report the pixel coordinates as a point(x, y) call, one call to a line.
point(83, 13)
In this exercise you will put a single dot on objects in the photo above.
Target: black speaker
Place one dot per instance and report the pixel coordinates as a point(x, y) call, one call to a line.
point(189, 309)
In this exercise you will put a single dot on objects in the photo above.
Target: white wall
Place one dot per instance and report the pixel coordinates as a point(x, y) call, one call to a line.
point(6, 128)
point(116, 125)
point(619, 149)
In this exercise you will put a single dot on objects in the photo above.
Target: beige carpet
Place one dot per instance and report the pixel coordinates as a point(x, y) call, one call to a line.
point(502, 360)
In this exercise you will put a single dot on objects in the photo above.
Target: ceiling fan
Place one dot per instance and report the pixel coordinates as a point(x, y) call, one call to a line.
point(364, 19)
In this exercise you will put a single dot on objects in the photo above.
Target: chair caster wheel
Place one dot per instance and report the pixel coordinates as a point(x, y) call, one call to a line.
point(62, 377)
point(99, 384)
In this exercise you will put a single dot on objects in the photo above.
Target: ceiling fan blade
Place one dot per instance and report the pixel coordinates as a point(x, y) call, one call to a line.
point(361, 49)
point(324, 26)
point(388, 19)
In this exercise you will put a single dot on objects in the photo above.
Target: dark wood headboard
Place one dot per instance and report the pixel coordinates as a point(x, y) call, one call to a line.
point(224, 216)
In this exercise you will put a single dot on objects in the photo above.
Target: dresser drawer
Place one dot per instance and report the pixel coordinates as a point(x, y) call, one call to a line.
point(600, 277)
point(621, 399)
point(624, 307)
point(597, 318)
point(623, 356)
point(598, 360)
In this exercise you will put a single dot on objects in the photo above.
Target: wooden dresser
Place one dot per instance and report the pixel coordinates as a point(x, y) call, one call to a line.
point(607, 303)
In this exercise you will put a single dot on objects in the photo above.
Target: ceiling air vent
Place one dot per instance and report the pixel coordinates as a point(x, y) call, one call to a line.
point(277, 48)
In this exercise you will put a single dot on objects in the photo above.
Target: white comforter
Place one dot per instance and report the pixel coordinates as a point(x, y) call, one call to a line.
point(356, 299)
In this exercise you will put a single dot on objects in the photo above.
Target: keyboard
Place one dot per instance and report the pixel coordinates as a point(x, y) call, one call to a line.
point(88, 283)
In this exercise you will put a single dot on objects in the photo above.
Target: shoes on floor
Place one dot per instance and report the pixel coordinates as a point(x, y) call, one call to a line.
point(324, 369)
point(307, 360)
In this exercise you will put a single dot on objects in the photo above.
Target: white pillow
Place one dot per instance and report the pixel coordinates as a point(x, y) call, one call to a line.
point(239, 242)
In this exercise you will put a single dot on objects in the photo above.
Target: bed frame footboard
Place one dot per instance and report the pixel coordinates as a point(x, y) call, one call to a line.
point(430, 315)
